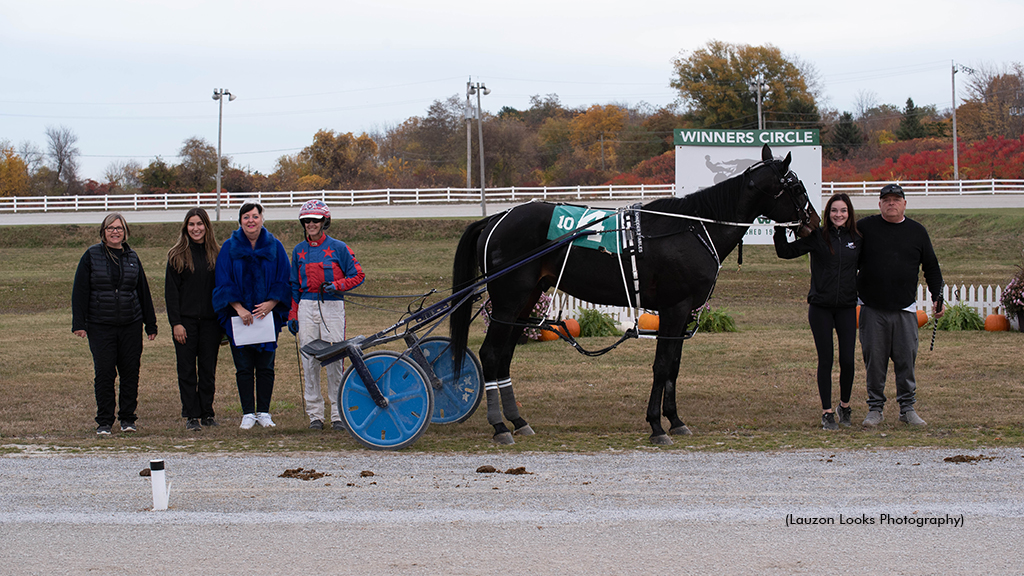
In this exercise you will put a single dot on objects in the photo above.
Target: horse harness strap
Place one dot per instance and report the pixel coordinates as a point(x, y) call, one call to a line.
point(633, 244)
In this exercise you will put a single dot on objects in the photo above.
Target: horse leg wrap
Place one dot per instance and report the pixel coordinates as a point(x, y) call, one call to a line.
point(493, 403)
point(508, 400)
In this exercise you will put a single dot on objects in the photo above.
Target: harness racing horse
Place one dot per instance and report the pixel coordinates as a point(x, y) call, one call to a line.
point(684, 241)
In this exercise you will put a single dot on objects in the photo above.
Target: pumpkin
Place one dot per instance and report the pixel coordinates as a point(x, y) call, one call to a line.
point(996, 323)
point(547, 336)
point(922, 318)
point(572, 325)
point(648, 322)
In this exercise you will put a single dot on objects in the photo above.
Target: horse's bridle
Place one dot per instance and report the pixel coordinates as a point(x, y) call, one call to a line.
point(790, 182)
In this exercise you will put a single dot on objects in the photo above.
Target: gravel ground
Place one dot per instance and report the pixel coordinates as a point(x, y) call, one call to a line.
point(883, 512)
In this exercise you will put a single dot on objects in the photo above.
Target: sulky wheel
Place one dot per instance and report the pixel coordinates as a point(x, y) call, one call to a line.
point(410, 402)
point(455, 401)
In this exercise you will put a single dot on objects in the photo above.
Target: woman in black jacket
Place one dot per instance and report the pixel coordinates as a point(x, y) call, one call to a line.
point(188, 291)
point(832, 298)
point(110, 302)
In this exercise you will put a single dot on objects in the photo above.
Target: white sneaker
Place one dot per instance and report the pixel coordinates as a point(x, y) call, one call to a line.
point(248, 421)
point(264, 419)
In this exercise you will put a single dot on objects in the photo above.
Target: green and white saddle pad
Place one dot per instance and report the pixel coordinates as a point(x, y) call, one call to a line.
point(567, 219)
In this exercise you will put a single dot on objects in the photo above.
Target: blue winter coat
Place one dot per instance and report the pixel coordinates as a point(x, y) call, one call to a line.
point(252, 276)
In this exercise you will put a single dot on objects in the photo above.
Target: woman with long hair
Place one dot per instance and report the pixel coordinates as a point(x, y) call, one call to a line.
point(188, 291)
point(832, 299)
point(110, 304)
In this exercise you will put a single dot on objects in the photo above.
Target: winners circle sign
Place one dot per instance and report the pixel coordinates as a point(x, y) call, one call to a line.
point(706, 157)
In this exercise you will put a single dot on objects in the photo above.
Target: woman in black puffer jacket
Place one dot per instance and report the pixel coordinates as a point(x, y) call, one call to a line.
point(110, 302)
point(832, 298)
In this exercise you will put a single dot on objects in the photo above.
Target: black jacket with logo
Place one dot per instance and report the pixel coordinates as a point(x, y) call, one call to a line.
point(833, 272)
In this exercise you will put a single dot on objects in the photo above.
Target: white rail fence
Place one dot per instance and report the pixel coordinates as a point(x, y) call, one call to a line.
point(927, 187)
point(514, 194)
point(984, 300)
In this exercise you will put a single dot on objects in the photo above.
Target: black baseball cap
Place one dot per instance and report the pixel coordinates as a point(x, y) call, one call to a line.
point(892, 189)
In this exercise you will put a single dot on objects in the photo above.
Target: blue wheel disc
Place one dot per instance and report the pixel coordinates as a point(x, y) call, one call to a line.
point(410, 402)
point(455, 401)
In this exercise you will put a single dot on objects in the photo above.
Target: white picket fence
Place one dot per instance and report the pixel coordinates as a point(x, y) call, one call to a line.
point(984, 299)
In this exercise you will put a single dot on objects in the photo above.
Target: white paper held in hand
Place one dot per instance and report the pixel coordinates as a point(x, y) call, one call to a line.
point(261, 330)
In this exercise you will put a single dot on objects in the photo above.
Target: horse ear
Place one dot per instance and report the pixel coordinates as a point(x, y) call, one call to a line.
point(786, 161)
point(766, 153)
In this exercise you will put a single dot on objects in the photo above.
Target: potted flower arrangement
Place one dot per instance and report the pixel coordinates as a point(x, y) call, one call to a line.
point(1013, 299)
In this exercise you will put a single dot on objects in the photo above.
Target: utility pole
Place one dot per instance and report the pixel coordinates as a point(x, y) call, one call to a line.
point(480, 90)
point(218, 95)
point(956, 148)
point(469, 136)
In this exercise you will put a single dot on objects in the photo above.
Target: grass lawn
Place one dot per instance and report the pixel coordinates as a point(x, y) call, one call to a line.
point(750, 390)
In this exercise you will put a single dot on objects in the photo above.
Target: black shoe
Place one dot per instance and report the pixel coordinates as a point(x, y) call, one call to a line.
point(844, 416)
point(193, 424)
point(338, 425)
point(828, 421)
point(209, 422)
point(103, 430)
point(316, 425)
point(128, 427)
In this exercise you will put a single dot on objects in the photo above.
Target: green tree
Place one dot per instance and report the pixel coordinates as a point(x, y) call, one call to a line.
point(718, 85)
point(158, 176)
point(910, 123)
point(845, 137)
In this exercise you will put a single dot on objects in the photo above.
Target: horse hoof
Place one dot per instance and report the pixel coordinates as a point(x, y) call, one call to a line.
point(681, 431)
point(524, 431)
point(661, 440)
point(503, 438)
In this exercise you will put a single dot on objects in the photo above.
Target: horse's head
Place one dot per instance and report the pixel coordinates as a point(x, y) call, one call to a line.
point(787, 202)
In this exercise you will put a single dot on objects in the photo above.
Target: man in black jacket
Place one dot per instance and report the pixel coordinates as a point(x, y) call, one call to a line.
point(894, 251)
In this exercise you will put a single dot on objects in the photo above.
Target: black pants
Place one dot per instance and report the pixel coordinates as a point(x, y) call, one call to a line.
point(116, 352)
point(844, 321)
point(254, 374)
point(197, 366)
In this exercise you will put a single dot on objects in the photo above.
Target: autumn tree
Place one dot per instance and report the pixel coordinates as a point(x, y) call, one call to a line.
point(995, 105)
point(344, 161)
point(594, 135)
point(198, 168)
point(719, 85)
point(14, 180)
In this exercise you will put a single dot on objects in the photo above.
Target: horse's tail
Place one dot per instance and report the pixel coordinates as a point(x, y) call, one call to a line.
point(464, 272)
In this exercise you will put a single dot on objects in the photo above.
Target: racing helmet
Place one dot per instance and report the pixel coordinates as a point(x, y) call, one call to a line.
point(317, 210)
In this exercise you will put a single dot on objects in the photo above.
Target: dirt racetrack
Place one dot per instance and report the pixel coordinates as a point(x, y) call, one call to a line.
point(640, 512)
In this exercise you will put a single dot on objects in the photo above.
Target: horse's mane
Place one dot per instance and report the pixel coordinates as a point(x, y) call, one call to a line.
point(716, 202)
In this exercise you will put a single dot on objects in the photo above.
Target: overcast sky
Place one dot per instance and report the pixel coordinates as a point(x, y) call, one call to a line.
point(133, 79)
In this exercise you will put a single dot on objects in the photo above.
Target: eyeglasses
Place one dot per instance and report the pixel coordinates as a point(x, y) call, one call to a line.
point(115, 229)
point(305, 221)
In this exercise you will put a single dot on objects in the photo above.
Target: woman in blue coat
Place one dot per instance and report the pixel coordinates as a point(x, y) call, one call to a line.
point(832, 299)
point(252, 282)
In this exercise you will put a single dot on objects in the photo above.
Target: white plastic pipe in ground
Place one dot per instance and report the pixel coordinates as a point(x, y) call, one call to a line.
point(161, 488)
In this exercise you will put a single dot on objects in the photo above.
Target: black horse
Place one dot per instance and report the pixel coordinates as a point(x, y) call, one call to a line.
point(684, 241)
